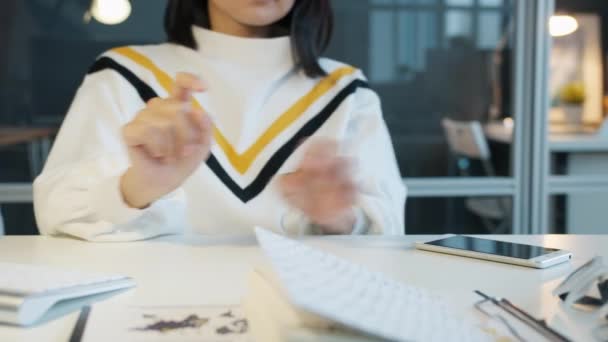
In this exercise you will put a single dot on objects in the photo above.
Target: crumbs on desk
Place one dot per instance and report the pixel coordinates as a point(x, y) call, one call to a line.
point(191, 322)
point(239, 326)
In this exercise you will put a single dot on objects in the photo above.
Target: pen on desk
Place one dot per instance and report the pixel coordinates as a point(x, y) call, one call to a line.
point(539, 325)
point(81, 323)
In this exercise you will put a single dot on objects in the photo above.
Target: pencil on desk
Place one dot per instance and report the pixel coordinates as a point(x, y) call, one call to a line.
point(538, 325)
point(81, 323)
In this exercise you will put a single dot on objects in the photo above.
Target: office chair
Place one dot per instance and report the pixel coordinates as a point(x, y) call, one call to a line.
point(467, 142)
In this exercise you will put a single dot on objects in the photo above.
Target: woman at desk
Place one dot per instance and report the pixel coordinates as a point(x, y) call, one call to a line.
point(235, 122)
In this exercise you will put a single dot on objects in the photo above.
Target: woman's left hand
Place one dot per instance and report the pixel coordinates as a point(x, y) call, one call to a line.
point(323, 188)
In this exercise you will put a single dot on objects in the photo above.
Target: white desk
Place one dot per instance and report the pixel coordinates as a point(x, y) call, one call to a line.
point(197, 270)
point(586, 154)
point(578, 143)
point(559, 142)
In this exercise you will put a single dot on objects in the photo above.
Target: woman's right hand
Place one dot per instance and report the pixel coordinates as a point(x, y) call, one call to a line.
point(167, 141)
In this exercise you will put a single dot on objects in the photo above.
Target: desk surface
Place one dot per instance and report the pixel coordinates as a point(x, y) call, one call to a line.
point(558, 142)
point(582, 143)
point(19, 135)
point(187, 270)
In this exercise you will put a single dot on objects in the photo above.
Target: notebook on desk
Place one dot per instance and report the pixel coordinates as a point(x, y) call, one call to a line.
point(29, 292)
point(309, 295)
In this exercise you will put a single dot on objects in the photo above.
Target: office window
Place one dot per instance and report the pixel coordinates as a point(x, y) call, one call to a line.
point(427, 59)
point(45, 50)
point(417, 2)
point(430, 60)
point(491, 3)
point(577, 122)
point(490, 30)
point(460, 2)
point(458, 24)
point(417, 34)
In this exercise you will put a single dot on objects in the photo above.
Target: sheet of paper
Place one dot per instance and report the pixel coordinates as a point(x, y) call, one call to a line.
point(166, 323)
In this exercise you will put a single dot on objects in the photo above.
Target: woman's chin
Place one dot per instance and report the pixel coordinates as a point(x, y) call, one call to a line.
point(262, 12)
point(259, 18)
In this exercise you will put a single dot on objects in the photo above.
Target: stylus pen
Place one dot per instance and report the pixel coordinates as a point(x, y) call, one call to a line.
point(537, 324)
point(81, 323)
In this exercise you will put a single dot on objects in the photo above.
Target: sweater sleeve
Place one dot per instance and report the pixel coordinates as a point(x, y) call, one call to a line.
point(78, 192)
point(381, 189)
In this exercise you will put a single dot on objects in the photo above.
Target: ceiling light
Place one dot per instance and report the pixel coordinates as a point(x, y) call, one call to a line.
point(562, 25)
point(110, 12)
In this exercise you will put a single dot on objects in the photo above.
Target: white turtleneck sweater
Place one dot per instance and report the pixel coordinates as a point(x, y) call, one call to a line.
point(262, 108)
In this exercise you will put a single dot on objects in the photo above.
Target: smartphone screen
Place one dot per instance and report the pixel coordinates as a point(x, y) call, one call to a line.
point(508, 249)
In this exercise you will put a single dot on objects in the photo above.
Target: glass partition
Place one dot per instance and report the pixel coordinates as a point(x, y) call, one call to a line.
point(457, 79)
point(430, 60)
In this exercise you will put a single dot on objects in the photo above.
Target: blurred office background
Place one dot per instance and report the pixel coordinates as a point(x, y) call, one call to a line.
point(496, 125)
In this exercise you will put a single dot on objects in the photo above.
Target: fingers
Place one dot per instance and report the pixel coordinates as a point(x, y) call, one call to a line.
point(185, 85)
point(323, 147)
point(292, 183)
point(323, 186)
point(322, 202)
point(203, 123)
point(322, 160)
point(166, 133)
point(338, 168)
point(155, 139)
point(319, 153)
point(193, 124)
point(170, 129)
point(166, 118)
point(334, 180)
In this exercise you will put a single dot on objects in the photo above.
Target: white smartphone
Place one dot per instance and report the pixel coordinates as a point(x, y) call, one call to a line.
point(499, 251)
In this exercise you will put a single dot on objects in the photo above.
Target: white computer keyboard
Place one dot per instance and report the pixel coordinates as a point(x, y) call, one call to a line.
point(27, 292)
point(349, 294)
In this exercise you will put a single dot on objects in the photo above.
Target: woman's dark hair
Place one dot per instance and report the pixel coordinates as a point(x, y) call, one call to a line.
point(310, 25)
